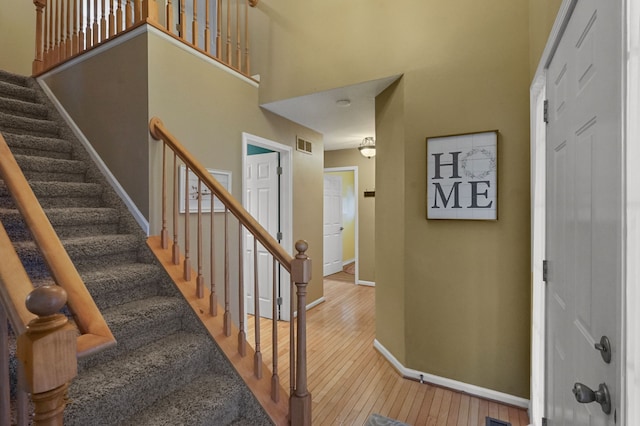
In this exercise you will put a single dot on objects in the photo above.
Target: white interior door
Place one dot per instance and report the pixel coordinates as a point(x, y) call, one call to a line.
point(584, 213)
point(262, 203)
point(332, 261)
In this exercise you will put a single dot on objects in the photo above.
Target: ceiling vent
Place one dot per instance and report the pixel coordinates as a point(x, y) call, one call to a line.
point(304, 145)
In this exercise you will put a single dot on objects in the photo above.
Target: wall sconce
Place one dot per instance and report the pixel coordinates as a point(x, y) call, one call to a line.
point(368, 147)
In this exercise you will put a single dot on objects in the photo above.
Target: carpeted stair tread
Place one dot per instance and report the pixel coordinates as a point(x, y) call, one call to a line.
point(111, 392)
point(38, 146)
point(24, 108)
point(31, 126)
point(211, 399)
point(59, 194)
point(17, 79)
point(9, 89)
point(139, 323)
point(51, 169)
point(117, 284)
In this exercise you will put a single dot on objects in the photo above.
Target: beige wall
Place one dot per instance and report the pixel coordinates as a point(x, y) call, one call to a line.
point(17, 35)
point(366, 206)
point(463, 287)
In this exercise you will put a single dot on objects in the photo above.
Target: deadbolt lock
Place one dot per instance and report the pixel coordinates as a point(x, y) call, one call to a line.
point(605, 349)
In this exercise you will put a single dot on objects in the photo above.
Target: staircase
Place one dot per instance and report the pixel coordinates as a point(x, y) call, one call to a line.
point(165, 369)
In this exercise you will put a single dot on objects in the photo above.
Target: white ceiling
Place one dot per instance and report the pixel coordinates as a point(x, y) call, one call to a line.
point(342, 126)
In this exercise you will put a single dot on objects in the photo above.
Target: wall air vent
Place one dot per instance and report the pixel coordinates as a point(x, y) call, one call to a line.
point(304, 145)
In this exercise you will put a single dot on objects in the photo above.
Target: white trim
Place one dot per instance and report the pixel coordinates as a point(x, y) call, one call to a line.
point(356, 237)
point(131, 206)
point(311, 305)
point(348, 261)
point(201, 56)
point(449, 383)
point(366, 283)
point(631, 277)
point(286, 199)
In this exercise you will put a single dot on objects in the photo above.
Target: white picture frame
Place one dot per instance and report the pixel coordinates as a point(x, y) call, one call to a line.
point(462, 176)
point(222, 176)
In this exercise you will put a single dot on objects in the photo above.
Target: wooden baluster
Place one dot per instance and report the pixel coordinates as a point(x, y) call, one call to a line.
point(5, 397)
point(112, 20)
point(194, 24)
point(48, 353)
point(103, 21)
point(23, 400)
point(175, 249)
point(213, 298)
point(87, 33)
point(137, 10)
point(300, 400)
point(74, 39)
point(183, 21)
point(238, 40)
point(187, 259)
point(169, 16)
point(228, 55)
point(68, 45)
point(38, 62)
point(119, 17)
point(164, 234)
point(246, 39)
point(242, 334)
point(61, 41)
point(219, 29)
point(51, 11)
point(227, 314)
point(275, 379)
point(129, 14)
point(207, 29)
point(292, 343)
point(80, 40)
point(257, 357)
point(200, 278)
point(56, 51)
point(95, 28)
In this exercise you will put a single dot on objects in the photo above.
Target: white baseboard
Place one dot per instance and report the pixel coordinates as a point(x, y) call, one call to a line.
point(449, 383)
point(346, 262)
point(367, 283)
point(312, 305)
point(142, 221)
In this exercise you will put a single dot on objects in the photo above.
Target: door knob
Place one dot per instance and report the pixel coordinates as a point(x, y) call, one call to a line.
point(585, 395)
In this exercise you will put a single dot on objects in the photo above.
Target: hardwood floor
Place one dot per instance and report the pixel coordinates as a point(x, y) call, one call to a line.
point(349, 379)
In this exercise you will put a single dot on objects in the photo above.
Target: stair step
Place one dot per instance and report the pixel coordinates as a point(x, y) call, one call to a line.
point(51, 169)
point(118, 284)
point(9, 89)
point(20, 80)
point(111, 392)
point(59, 194)
point(212, 399)
point(30, 126)
point(139, 323)
point(23, 108)
point(38, 146)
point(67, 222)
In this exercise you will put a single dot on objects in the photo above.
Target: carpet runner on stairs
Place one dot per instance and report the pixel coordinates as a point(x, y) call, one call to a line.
point(165, 369)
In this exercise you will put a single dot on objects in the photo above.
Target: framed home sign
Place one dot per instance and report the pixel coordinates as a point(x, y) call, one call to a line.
point(224, 177)
point(462, 176)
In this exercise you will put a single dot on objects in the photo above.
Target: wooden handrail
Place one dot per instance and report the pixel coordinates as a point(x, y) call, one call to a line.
point(95, 333)
point(159, 132)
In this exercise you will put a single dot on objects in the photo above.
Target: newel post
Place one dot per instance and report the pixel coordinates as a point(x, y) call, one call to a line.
point(48, 354)
point(38, 62)
point(300, 401)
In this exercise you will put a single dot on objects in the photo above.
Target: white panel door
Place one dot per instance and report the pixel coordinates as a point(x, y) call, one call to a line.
point(262, 203)
point(584, 212)
point(332, 261)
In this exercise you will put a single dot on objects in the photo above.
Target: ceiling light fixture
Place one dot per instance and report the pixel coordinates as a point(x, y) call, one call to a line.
point(343, 103)
point(368, 147)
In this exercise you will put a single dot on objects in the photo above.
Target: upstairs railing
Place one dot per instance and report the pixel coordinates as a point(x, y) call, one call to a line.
point(48, 346)
point(299, 266)
point(68, 28)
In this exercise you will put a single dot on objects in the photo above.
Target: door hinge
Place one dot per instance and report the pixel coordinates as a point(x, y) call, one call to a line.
point(279, 236)
point(545, 113)
point(279, 171)
point(545, 270)
point(544, 421)
point(279, 301)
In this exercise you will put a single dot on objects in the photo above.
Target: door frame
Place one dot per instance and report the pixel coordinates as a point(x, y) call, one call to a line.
point(630, 327)
point(286, 199)
point(356, 233)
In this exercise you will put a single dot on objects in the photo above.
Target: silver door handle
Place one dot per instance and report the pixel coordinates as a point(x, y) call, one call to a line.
point(585, 395)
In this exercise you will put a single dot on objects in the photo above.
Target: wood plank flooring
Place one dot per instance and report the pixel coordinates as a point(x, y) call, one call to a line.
point(349, 379)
